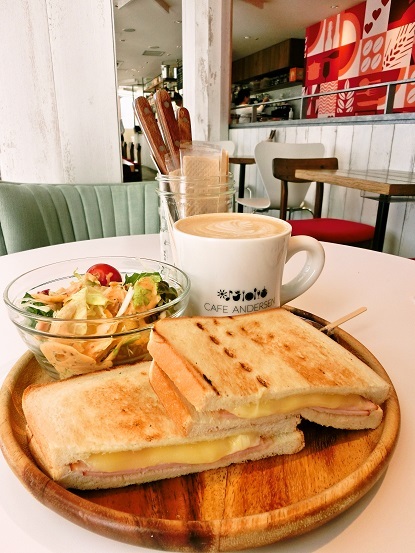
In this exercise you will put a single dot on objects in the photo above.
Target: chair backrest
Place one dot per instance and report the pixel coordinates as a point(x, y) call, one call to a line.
point(266, 151)
point(227, 145)
point(284, 169)
point(37, 215)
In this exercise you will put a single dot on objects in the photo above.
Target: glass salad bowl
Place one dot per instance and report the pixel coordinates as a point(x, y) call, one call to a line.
point(89, 314)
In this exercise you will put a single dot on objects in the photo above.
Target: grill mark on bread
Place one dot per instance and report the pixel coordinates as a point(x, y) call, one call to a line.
point(215, 340)
point(265, 339)
point(262, 381)
point(245, 367)
point(207, 379)
point(229, 352)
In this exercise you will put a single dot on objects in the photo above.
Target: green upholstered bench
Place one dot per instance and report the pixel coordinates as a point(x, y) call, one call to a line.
point(36, 215)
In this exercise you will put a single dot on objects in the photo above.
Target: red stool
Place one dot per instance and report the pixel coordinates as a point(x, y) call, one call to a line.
point(339, 231)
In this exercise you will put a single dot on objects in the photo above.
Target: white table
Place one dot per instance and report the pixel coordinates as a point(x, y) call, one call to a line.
point(381, 522)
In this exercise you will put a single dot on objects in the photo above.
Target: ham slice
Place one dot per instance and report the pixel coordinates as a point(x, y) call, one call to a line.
point(361, 410)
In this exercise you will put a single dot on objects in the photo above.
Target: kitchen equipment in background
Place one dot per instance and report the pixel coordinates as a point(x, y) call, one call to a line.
point(282, 111)
point(168, 72)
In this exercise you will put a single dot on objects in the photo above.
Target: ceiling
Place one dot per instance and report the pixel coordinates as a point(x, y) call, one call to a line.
point(257, 24)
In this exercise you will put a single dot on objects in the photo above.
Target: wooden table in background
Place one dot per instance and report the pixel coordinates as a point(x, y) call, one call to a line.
point(243, 162)
point(383, 186)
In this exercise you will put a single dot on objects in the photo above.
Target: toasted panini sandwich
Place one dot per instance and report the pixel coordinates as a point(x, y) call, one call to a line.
point(259, 367)
point(108, 429)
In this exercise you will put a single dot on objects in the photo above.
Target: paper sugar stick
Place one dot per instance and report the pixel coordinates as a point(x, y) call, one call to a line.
point(200, 167)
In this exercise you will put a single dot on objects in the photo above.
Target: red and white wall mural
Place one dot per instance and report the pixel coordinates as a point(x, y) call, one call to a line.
point(371, 43)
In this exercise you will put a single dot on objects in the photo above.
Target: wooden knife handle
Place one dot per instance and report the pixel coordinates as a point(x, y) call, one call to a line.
point(185, 127)
point(168, 123)
point(152, 132)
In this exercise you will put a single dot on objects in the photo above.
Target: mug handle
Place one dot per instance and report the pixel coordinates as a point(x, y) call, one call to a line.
point(311, 270)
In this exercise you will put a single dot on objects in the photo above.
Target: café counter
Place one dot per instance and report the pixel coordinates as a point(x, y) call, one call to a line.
point(405, 118)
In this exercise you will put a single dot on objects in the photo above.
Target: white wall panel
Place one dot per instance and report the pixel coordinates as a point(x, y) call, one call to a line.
point(86, 101)
point(360, 147)
point(58, 99)
point(401, 158)
point(380, 146)
point(379, 157)
point(406, 245)
point(29, 133)
point(338, 194)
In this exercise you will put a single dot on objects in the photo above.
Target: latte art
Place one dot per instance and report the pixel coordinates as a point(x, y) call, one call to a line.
point(231, 226)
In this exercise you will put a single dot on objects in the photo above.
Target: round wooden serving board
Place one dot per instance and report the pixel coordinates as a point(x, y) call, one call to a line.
point(242, 506)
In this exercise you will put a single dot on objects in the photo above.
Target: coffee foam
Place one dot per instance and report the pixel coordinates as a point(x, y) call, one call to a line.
point(231, 226)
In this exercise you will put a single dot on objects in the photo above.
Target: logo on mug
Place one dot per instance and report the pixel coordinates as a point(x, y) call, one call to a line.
point(242, 295)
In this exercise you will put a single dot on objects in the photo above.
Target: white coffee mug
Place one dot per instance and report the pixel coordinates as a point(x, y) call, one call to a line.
point(235, 262)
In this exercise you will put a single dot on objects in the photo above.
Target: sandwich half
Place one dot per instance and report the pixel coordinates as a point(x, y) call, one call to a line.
point(260, 367)
point(108, 429)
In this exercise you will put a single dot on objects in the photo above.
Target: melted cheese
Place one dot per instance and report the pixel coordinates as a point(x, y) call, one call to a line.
point(295, 403)
point(191, 454)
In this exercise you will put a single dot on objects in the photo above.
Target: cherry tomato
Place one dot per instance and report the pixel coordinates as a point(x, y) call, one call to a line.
point(105, 273)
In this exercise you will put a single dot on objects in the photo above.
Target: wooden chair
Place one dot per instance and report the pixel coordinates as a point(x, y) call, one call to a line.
point(340, 231)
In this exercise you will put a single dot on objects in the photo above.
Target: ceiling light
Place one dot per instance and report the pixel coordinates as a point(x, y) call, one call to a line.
point(153, 53)
point(247, 37)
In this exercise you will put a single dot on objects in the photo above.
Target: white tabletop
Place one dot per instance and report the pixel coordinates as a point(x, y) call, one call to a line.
point(379, 523)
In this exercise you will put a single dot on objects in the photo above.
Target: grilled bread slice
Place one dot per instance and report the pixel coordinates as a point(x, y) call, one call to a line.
point(267, 364)
point(108, 429)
